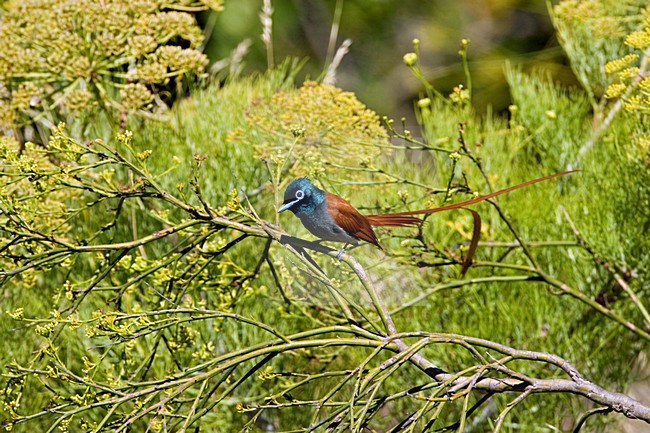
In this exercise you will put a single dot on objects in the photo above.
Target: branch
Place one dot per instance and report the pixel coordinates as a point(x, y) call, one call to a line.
point(576, 384)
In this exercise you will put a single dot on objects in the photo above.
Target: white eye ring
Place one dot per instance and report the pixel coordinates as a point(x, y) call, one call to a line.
point(300, 195)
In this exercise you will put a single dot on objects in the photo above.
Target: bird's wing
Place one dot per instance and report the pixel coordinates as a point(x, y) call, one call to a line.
point(349, 219)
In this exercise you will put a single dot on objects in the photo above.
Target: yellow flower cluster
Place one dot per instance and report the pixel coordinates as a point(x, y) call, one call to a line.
point(630, 82)
point(639, 40)
point(622, 63)
point(80, 54)
point(330, 127)
point(593, 13)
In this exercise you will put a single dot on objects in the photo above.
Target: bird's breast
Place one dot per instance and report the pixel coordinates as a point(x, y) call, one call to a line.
point(322, 225)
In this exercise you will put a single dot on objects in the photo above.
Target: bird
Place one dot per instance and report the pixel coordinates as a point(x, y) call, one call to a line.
point(332, 218)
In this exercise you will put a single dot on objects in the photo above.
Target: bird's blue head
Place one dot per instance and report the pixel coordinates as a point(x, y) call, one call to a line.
point(302, 196)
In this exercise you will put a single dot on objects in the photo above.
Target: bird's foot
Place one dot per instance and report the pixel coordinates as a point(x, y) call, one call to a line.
point(341, 252)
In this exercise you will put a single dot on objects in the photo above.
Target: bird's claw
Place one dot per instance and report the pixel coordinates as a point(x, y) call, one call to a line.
point(340, 254)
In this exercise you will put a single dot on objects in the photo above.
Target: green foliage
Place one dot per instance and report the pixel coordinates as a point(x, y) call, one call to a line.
point(166, 300)
point(550, 129)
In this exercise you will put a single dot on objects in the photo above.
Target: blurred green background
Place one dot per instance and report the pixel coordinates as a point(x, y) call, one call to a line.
point(382, 32)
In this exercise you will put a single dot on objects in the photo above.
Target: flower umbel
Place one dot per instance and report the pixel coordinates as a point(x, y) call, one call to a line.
point(74, 54)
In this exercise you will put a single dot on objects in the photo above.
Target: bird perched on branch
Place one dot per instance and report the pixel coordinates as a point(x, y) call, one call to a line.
point(332, 218)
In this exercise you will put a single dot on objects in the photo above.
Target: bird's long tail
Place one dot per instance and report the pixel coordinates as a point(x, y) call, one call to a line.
point(407, 218)
point(393, 220)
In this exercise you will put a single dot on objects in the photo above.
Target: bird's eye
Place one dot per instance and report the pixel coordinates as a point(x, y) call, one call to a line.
point(300, 194)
